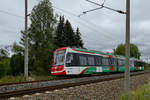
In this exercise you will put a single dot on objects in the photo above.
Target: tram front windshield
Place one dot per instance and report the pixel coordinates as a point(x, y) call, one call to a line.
point(59, 58)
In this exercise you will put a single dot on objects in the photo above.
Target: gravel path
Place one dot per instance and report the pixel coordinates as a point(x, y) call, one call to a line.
point(109, 90)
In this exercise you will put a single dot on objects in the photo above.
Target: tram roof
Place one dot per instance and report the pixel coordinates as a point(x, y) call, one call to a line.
point(100, 52)
point(93, 51)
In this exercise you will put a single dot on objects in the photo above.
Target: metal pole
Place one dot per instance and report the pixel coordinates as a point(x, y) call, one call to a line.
point(127, 69)
point(26, 43)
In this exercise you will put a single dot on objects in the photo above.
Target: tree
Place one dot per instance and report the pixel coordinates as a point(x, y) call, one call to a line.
point(60, 35)
point(69, 35)
point(41, 42)
point(79, 42)
point(4, 61)
point(17, 59)
point(65, 35)
point(16, 48)
point(17, 64)
point(134, 51)
point(5, 67)
point(2, 70)
point(3, 53)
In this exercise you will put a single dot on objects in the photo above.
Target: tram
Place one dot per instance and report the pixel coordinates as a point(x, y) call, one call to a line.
point(76, 61)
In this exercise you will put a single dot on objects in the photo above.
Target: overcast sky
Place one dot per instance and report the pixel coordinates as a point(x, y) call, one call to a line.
point(101, 30)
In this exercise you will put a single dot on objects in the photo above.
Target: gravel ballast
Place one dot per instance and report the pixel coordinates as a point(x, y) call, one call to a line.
point(107, 90)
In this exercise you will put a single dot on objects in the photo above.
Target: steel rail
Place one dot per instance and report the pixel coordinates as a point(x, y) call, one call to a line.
point(67, 83)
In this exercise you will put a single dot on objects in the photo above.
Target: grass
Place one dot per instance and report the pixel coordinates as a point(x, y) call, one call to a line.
point(142, 93)
point(20, 78)
point(42, 77)
point(11, 79)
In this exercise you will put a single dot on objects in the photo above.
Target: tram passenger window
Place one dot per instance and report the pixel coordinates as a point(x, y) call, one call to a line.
point(135, 63)
point(83, 60)
point(98, 61)
point(111, 61)
point(114, 61)
point(71, 59)
point(91, 61)
point(121, 62)
point(105, 61)
point(132, 63)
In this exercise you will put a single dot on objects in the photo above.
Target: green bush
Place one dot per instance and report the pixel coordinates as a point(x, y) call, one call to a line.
point(11, 79)
point(5, 67)
point(44, 77)
point(2, 70)
point(17, 64)
point(20, 78)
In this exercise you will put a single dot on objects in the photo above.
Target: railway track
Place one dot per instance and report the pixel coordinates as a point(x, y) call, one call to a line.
point(41, 86)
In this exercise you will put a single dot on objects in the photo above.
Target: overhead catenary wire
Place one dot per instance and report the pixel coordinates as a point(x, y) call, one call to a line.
point(83, 24)
point(12, 14)
point(10, 31)
point(127, 65)
point(88, 25)
point(9, 27)
point(102, 6)
point(84, 20)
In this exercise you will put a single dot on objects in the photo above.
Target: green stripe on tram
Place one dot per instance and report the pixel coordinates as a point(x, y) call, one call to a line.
point(140, 68)
point(106, 69)
point(122, 68)
point(132, 68)
point(90, 70)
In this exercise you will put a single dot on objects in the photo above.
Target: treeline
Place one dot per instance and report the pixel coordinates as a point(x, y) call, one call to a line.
point(65, 35)
point(46, 33)
point(134, 50)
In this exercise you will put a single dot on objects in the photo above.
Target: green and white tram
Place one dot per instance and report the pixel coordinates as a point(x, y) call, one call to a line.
point(75, 61)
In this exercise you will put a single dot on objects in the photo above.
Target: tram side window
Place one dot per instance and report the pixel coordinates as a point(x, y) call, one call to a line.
point(83, 60)
point(114, 61)
point(98, 61)
point(91, 61)
point(71, 59)
point(121, 62)
point(132, 63)
point(105, 61)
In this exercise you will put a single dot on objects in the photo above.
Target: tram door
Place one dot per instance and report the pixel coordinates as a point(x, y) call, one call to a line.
point(72, 67)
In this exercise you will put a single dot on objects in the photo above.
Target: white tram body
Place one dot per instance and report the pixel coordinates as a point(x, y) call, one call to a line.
point(75, 61)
